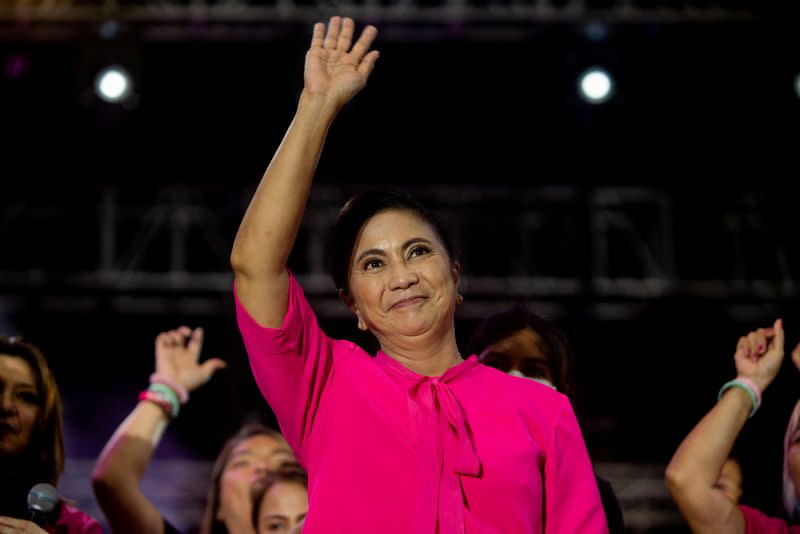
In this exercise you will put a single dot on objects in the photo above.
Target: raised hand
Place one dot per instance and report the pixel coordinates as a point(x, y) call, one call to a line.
point(335, 70)
point(177, 352)
point(760, 353)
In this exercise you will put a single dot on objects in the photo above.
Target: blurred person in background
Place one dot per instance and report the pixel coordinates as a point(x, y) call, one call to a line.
point(693, 475)
point(280, 501)
point(246, 457)
point(524, 344)
point(32, 442)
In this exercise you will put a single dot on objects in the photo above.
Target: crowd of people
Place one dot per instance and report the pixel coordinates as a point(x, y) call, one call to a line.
point(419, 437)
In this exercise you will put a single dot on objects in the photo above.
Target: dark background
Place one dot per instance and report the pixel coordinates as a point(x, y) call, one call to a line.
point(704, 113)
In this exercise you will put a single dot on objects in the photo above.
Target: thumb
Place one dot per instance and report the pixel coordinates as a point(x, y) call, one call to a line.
point(211, 366)
point(777, 341)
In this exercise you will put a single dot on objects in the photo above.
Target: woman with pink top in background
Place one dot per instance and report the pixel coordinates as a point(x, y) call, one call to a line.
point(417, 438)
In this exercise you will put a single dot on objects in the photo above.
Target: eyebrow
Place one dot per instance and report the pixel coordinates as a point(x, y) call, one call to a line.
point(276, 452)
point(381, 252)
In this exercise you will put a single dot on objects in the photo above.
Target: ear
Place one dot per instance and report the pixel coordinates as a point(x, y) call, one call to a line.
point(455, 270)
point(350, 303)
point(346, 298)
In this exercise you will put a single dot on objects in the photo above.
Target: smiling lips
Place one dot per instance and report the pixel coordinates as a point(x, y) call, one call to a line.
point(408, 301)
point(6, 427)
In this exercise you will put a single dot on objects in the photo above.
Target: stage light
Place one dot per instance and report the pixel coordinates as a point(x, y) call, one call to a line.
point(797, 85)
point(113, 84)
point(595, 85)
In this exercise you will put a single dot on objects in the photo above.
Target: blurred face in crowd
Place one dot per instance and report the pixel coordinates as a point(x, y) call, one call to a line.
point(20, 405)
point(402, 281)
point(730, 480)
point(250, 460)
point(283, 508)
point(794, 458)
point(520, 354)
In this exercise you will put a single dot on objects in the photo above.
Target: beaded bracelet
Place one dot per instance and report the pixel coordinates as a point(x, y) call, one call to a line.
point(182, 392)
point(167, 394)
point(749, 386)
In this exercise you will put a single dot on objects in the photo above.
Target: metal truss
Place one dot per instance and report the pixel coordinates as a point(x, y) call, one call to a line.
point(191, 12)
point(167, 250)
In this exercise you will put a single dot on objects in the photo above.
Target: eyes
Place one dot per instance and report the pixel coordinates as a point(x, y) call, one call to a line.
point(26, 396)
point(29, 397)
point(277, 526)
point(373, 264)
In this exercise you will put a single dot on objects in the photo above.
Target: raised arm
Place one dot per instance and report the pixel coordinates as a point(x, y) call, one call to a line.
point(694, 469)
point(334, 72)
point(121, 466)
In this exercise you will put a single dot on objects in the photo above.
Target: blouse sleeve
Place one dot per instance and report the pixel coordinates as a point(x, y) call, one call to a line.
point(572, 500)
point(292, 365)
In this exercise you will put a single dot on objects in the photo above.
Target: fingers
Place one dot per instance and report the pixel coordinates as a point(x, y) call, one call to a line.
point(743, 348)
point(211, 366)
point(777, 335)
point(366, 66)
point(758, 342)
point(196, 339)
point(332, 37)
point(346, 36)
point(796, 356)
point(175, 338)
point(10, 525)
point(364, 42)
point(318, 38)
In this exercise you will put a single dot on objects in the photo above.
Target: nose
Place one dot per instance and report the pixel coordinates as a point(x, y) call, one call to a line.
point(7, 405)
point(403, 277)
point(260, 469)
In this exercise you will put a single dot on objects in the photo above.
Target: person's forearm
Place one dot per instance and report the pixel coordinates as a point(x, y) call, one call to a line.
point(127, 454)
point(698, 461)
point(269, 227)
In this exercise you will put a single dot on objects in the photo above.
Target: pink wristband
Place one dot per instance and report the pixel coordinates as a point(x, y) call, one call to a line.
point(179, 390)
point(753, 386)
point(157, 400)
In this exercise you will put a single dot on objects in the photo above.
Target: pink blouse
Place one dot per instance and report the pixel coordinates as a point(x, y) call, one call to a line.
point(757, 522)
point(388, 450)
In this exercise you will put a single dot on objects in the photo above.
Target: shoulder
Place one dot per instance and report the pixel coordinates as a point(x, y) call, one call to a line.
point(758, 521)
point(521, 390)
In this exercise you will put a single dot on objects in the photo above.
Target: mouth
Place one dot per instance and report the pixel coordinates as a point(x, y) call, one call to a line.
point(6, 427)
point(406, 302)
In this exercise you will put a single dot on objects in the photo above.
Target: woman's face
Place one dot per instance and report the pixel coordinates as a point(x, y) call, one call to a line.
point(402, 281)
point(283, 507)
point(20, 404)
point(249, 461)
point(794, 459)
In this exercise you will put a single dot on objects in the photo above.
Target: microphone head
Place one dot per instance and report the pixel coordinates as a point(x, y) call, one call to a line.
point(43, 498)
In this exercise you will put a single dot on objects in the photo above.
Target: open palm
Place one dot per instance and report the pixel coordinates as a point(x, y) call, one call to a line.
point(177, 355)
point(333, 68)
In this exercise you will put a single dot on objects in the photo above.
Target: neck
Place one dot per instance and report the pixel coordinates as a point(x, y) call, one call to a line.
point(423, 356)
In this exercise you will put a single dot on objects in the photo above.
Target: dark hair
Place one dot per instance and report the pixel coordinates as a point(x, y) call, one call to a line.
point(554, 343)
point(288, 472)
point(210, 523)
point(45, 451)
point(355, 213)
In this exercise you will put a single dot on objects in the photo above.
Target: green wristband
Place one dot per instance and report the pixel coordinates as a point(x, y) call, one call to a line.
point(169, 395)
point(738, 384)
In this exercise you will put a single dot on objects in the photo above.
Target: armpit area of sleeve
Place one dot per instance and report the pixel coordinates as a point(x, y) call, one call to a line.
point(274, 340)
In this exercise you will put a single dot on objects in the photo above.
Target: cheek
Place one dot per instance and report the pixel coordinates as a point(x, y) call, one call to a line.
point(794, 463)
point(27, 419)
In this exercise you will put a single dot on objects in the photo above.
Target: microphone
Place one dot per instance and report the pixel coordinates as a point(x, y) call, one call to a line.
point(42, 504)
